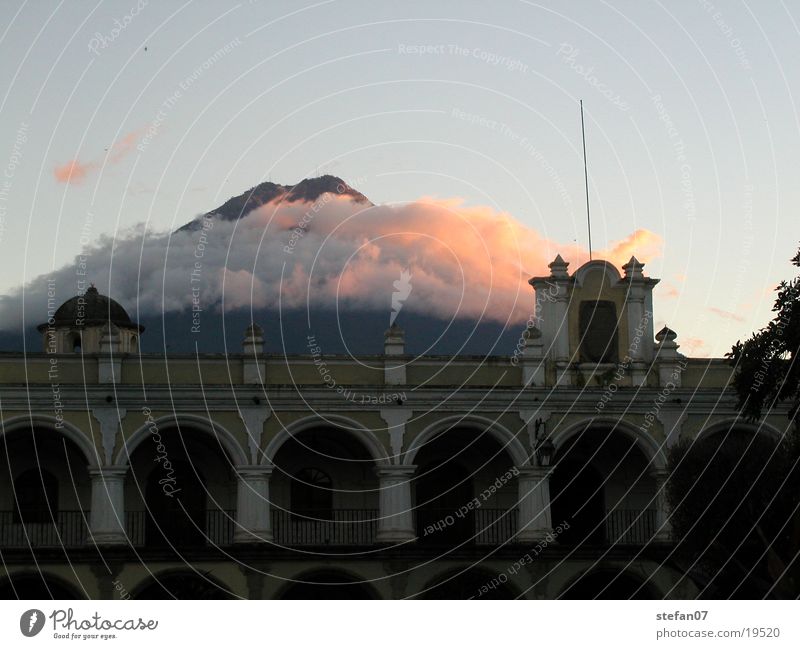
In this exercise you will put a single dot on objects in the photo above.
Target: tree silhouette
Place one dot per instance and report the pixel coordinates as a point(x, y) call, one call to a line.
point(733, 496)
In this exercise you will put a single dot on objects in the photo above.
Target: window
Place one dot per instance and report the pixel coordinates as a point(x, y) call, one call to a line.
point(312, 494)
point(598, 332)
point(37, 495)
point(75, 342)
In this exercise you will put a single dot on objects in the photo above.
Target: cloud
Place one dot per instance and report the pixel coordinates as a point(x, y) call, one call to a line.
point(726, 315)
point(667, 290)
point(464, 261)
point(75, 172)
point(694, 346)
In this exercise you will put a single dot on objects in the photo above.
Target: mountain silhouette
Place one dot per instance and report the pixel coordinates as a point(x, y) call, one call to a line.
point(349, 330)
point(308, 190)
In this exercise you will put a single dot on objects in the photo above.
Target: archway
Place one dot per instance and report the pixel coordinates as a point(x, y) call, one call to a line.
point(579, 499)
point(182, 585)
point(324, 490)
point(328, 585)
point(469, 583)
point(608, 583)
point(442, 509)
point(465, 490)
point(602, 485)
point(181, 491)
point(507, 440)
point(45, 489)
point(36, 586)
point(176, 518)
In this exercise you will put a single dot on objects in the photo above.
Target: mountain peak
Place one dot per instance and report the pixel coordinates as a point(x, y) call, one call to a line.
point(307, 190)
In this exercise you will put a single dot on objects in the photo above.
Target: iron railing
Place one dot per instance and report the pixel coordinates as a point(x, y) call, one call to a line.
point(63, 529)
point(334, 527)
point(337, 527)
point(146, 530)
point(482, 526)
point(630, 526)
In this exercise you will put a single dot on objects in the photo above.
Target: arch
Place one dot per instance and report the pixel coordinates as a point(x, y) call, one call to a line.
point(311, 494)
point(59, 427)
point(609, 269)
point(652, 450)
point(620, 582)
point(375, 449)
point(36, 496)
point(235, 451)
point(342, 584)
point(470, 582)
point(181, 584)
point(730, 423)
point(37, 585)
point(510, 442)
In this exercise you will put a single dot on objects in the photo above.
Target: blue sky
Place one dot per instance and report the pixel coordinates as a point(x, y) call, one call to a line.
point(692, 127)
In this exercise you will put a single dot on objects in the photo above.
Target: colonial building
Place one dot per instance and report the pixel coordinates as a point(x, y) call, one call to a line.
point(537, 475)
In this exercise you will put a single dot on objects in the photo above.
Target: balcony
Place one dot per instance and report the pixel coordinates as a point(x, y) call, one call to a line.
point(341, 527)
point(630, 526)
point(477, 527)
point(144, 531)
point(45, 529)
point(337, 527)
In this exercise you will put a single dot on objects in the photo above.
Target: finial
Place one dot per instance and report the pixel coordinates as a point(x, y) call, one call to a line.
point(633, 269)
point(558, 267)
point(666, 334)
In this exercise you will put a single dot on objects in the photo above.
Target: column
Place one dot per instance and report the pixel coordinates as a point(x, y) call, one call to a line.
point(394, 348)
point(534, 522)
point(663, 530)
point(107, 518)
point(396, 514)
point(253, 368)
point(253, 516)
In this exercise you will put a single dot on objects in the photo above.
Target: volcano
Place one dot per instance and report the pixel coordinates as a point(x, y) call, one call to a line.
point(307, 190)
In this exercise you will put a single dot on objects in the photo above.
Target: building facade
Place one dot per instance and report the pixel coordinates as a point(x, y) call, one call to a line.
point(534, 475)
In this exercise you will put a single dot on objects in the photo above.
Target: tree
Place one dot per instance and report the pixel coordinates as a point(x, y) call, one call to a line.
point(733, 500)
point(733, 496)
point(767, 371)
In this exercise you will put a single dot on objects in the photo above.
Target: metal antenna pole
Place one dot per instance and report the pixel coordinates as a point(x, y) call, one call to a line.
point(586, 180)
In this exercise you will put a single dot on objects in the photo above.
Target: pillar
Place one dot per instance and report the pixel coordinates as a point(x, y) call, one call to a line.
point(107, 517)
point(109, 362)
point(253, 368)
point(253, 515)
point(396, 514)
point(535, 521)
point(663, 530)
point(394, 348)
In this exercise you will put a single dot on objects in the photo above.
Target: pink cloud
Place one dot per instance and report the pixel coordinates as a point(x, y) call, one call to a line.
point(75, 172)
point(726, 315)
point(465, 261)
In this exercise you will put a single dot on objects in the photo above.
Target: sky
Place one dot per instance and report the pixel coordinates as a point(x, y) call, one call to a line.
point(128, 119)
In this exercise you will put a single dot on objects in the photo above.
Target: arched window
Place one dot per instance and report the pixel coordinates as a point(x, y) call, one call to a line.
point(37, 496)
point(598, 332)
point(75, 342)
point(134, 343)
point(312, 494)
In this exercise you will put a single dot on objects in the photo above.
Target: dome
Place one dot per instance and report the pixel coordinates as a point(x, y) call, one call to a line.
point(91, 309)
